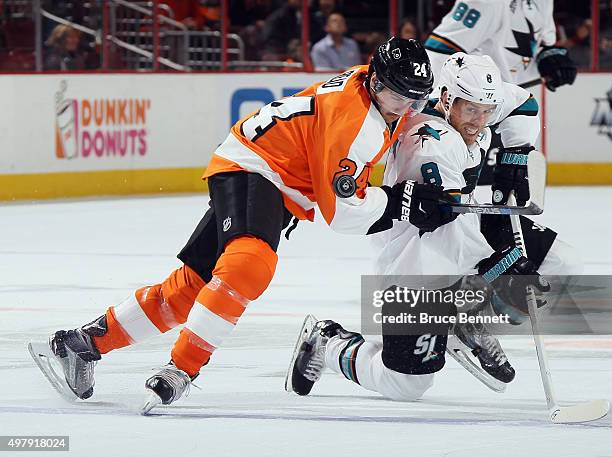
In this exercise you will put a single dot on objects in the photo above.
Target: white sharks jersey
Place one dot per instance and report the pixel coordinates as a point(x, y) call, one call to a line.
point(510, 31)
point(430, 150)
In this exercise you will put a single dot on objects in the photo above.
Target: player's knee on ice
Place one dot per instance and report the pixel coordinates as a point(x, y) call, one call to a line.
point(415, 330)
point(371, 373)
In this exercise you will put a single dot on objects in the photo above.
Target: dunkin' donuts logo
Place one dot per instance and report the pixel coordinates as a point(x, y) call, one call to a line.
point(98, 128)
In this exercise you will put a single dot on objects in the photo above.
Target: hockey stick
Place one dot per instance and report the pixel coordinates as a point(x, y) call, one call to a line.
point(528, 84)
point(582, 412)
point(536, 170)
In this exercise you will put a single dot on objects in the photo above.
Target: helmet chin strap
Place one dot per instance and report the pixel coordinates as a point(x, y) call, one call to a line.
point(374, 88)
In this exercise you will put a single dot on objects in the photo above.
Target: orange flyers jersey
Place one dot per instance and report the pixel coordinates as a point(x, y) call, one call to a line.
point(318, 147)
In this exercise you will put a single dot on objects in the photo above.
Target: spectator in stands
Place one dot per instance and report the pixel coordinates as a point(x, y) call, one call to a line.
point(244, 13)
point(605, 33)
point(335, 51)
point(372, 42)
point(253, 38)
point(579, 44)
point(408, 29)
point(66, 51)
point(280, 28)
point(195, 14)
point(318, 19)
point(294, 51)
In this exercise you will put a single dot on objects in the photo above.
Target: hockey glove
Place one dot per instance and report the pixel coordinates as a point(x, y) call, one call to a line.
point(556, 67)
point(510, 174)
point(509, 274)
point(420, 204)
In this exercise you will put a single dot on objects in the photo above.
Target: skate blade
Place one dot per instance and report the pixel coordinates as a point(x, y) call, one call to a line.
point(456, 350)
point(150, 402)
point(583, 412)
point(47, 363)
point(307, 326)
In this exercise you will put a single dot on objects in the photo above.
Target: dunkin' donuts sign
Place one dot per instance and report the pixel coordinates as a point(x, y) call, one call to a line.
point(99, 128)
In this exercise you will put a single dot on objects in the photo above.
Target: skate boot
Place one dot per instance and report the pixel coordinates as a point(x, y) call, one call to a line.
point(308, 359)
point(68, 360)
point(487, 349)
point(166, 386)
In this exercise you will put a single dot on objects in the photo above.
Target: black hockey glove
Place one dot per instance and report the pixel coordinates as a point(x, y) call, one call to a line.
point(509, 274)
point(556, 67)
point(420, 204)
point(510, 174)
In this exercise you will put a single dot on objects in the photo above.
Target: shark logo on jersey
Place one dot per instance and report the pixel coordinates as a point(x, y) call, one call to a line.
point(602, 116)
point(427, 132)
point(526, 44)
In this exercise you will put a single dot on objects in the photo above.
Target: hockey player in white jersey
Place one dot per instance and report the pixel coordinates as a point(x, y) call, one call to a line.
point(444, 145)
point(519, 35)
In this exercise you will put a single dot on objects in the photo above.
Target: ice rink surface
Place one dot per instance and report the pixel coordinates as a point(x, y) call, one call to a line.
point(63, 263)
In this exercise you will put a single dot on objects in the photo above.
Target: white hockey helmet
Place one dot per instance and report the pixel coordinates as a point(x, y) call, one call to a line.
point(473, 78)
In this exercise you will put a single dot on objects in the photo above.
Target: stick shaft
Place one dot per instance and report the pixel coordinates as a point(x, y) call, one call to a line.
point(532, 306)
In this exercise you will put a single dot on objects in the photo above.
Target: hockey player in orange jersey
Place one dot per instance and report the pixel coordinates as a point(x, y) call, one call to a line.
point(315, 148)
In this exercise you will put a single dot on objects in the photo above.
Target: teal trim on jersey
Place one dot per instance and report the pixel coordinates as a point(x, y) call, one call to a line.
point(431, 110)
point(437, 46)
point(529, 108)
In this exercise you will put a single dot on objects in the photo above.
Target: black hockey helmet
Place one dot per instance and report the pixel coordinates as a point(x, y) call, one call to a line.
point(403, 66)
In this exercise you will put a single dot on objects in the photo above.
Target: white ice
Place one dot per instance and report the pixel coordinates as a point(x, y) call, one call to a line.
point(63, 263)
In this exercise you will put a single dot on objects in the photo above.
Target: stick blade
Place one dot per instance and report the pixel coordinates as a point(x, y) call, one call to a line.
point(583, 412)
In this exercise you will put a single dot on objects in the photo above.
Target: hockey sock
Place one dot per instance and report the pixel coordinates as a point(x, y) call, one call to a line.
point(152, 310)
point(341, 354)
point(242, 273)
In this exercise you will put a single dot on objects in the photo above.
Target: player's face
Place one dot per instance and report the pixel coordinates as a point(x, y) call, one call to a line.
point(392, 105)
point(470, 118)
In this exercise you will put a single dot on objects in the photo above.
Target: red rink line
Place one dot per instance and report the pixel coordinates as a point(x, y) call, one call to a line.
point(24, 309)
point(13, 309)
point(255, 313)
point(580, 344)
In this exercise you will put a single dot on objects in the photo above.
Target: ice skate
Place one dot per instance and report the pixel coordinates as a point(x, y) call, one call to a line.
point(166, 386)
point(308, 358)
point(69, 358)
point(487, 349)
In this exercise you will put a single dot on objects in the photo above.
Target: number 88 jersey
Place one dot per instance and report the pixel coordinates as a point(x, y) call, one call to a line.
point(512, 32)
point(318, 147)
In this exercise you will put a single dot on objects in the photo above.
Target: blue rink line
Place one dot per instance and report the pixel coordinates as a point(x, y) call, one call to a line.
point(177, 413)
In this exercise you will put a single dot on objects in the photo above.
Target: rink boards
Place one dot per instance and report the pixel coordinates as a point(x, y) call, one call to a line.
point(82, 135)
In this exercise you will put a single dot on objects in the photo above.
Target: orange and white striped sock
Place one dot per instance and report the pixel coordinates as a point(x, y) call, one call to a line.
point(151, 311)
point(242, 274)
